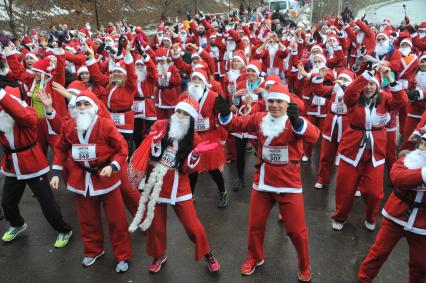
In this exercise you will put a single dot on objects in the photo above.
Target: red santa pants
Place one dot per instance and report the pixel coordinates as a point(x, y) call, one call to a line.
point(317, 121)
point(387, 238)
point(163, 113)
point(390, 149)
point(348, 179)
point(156, 242)
point(292, 208)
point(409, 127)
point(89, 215)
point(129, 194)
point(402, 117)
point(327, 157)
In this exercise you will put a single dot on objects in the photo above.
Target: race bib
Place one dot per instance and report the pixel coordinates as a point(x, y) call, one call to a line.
point(277, 155)
point(118, 118)
point(202, 124)
point(254, 97)
point(318, 100)
point(273, 71)
point(139, 107)
point(339, 108)
point(83, 152)
point(169, 157)
point(380, 120)
point(232, 87)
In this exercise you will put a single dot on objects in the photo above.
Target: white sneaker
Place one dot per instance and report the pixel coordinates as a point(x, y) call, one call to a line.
point(337, 225)
point(358, 193)
point(122, 266)
point(370, 226)
point(305, 158)
point(88, 260)
point(337, 160)
point(318, 186)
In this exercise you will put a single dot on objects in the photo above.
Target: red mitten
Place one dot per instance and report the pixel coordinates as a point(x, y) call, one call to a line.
point(203, 147)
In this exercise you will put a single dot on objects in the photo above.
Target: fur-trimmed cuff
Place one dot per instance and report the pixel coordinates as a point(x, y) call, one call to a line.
point(300, 41)
point(91, 61)
point(367, 75)
point(414, 35)
point(341, 35)
point(57, 167)
point(2, 93)
point(225, 120)
point(193, 160)
point(337, 48)
point(424, 175)
point(242, 110)
point(302, 129)
point(50, 116)
point(421, 94)
point(128, 59)
point(9, 53)
point(199, 50)
point(117, 165)
point(397, 87)
point(317, 80)
point(58, 51)
point(294, 51)
point(258, 51)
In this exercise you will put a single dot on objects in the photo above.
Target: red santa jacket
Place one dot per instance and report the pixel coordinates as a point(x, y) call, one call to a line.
point(278, 167)
point(23, 158)
point(415, 109)
point(409, 180)
point(84, 156)
point(176, 186)
point(167, 88)
point(336, 121)
point(272, 64)
point(368, 122)
point(119, 100)
point(144, 100)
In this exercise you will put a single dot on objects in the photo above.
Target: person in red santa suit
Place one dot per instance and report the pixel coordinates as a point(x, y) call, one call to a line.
point(168, 84)
point(92, 151)
point(404, 216)
point(144, 100)
point(416, 105)
point(205, 126)
point(173, 152)
point(361, 37)
point(334, 126)
point(410, 63)
point(280, 132)
point(362, 148)
point(272, 54)
point(24, 163)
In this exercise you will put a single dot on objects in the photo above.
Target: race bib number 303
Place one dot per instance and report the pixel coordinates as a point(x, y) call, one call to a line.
point(84, 152)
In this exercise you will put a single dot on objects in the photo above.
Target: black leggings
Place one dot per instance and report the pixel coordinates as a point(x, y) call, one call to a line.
point(240, 145)
point(142, 129)
point(217, 178)
point(13, 189)
point(129, 139)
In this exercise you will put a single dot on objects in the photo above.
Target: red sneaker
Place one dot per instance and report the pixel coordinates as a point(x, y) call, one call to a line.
point(156, 263)
point(212, 263)
point(305, 276)
point(250, 265)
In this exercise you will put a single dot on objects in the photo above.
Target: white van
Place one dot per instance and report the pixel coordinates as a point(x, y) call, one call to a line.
point(284, 6)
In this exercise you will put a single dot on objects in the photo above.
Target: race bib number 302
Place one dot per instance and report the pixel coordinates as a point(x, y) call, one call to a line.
point(84, 152)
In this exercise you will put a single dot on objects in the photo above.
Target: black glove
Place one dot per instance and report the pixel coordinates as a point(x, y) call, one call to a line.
point(293, 115)
point(176, 29)
point(393, 33)
point(61, 38)
point(139, 47)
point(121, 42)
point(110, 49)
point(413, 95)
point(222, 106)
point(101, 48)
point(4, 39)
point(188, 15)
point(362, 50)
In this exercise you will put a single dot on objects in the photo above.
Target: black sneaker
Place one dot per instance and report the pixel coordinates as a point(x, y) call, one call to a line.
point(238, 185)
point(223, 202)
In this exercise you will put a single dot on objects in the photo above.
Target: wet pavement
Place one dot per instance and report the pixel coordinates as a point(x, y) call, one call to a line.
point(335, 256)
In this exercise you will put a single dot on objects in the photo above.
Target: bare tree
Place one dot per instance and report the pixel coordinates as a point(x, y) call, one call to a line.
point(8, 6)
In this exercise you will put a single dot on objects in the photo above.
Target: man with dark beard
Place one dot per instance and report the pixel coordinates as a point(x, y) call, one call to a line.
point(280, 133)
point(24, 163)
point(92, 151)
point(174, 153)
point(404, 216)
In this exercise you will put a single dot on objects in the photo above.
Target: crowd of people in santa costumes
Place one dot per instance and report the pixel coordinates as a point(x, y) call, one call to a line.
point(132, 121)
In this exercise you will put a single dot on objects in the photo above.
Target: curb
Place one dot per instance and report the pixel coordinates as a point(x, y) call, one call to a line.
point(375, 7)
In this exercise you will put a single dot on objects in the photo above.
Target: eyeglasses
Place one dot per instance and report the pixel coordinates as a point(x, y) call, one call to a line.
point(380, 39)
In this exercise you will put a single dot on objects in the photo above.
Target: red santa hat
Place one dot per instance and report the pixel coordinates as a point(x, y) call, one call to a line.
point(271, 80)
point(82, 69)
point(161, 53)
point(71, 47)
point(87, 95)
point(76, 87)
point(167, 37)
point(407, 40)
point(213, 34)
point(202, 74)
point(347, 74)
point(120, 66)
point(278, 91)
point(316, 46)
point(160, 29)
point(422, 26)
point(27, 41)
point(239, 54)
point(333, 36)
point(384, 33)
point(422, 55)
point(83, 32)
point(195, 54)
point(255, 65)
point(43, 66)
point(190, 106)
point(32, 55)
point(322, 57)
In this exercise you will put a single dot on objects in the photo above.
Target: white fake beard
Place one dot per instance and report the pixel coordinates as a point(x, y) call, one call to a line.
point(382, 48)
point(316, 68)
point(360, 37)
point(84, 118)
point(415, 159)
point(421, 80)
point(141, 73)
point(162, 69)
point(195, 91)
point(233, 75)
point(231, 45)
point(272, 49)
point(338, 91)
point(272, 127)
point(178, 127)
point(183, 37)
point(6, 122)
point(330, 49)
point(405, 51)
point(422, 34)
